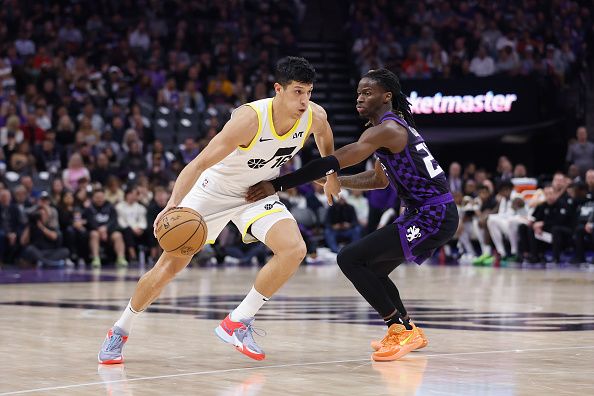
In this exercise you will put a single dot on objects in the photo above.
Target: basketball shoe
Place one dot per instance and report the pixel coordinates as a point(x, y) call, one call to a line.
point(240, 335)
point(111, 350)
point(397, 343)
point(376, 345)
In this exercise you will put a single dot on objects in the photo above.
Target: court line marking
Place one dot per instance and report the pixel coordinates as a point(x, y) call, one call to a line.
point(52, 388)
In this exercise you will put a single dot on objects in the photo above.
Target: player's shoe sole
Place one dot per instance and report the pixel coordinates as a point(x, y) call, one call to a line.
point(378, 356)
point(376, 345)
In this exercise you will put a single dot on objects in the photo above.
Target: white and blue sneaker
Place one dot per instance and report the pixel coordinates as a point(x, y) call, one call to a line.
point(111, 350)
point(240, 335)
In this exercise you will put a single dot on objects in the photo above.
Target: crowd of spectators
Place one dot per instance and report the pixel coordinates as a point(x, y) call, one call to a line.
point(85, 167)
point(506, 215)
point(81, 84)
point(452, 39)
point(512, 217)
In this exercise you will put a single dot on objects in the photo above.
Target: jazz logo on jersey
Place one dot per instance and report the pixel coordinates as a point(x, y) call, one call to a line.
point(282, 156)
point(298, 135)
point(413, 232)
point(269, 206)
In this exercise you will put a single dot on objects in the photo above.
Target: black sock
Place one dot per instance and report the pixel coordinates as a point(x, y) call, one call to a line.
point(396, 318)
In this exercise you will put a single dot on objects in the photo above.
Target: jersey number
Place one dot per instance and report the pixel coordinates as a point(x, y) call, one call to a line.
point(431, 169)
point(280, 161)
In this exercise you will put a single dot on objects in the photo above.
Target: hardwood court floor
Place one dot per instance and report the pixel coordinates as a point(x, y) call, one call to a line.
point(492, 332)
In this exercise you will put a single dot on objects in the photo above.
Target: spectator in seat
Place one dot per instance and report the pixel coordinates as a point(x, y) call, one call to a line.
point(500, 224)
point(581, 153)
point(102, 220)
point(13, 125)
point(537, 235)
point(43, 243)
point(361, 205)
point(132, 221)
point(583, 236)
point(75, 171)
point(10, 227)
point(74, 227)
point(484, 206)
point(455, 181)
point(341, 223)
point(482, 65)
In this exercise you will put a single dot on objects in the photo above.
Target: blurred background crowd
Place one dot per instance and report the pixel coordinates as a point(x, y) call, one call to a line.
point(103, 103)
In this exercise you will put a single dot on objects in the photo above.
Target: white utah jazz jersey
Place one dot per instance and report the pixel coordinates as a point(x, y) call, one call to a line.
point(262, 158)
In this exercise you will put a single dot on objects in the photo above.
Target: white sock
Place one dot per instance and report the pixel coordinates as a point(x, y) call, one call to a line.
point(128, 316)
point(249, 306)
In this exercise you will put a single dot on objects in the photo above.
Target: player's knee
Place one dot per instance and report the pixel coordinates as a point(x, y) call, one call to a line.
point(294, 253)
point(169, 266)
point(341, 258)
point(94, 234)
point(345, 259)
point(298, 251)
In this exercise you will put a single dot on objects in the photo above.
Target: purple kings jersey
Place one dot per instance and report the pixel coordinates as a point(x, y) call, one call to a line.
point(413, 172)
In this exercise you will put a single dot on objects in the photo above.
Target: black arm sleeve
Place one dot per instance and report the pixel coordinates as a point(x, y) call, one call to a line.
point(313, 170)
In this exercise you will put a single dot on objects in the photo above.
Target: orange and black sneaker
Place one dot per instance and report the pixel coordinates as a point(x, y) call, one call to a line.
point(423, 336)
point(398, 342)
point(376, 345)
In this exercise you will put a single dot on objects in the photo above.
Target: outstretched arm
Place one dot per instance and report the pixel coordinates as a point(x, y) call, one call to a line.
point(371, 140)
point(325, 141)
point(369, 180)
point(232, 135)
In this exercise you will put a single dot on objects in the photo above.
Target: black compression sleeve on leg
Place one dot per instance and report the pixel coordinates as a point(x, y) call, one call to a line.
point(313, 170)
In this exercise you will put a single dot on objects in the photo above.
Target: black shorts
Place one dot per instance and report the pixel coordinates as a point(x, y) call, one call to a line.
point(424, 229)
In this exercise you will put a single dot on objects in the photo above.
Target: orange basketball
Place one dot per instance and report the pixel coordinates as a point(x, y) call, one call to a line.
point(181, 232)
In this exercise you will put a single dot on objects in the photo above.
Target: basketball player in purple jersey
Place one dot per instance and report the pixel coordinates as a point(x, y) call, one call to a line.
point(404, 163)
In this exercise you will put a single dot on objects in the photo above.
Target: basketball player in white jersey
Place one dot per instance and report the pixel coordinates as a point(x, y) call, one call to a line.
point(252, 146)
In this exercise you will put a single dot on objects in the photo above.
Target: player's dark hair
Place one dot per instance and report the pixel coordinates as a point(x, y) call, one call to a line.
point(294, 68)
point(390, 82)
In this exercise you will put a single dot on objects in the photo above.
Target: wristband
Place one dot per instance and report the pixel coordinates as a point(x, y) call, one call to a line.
point(313, 170)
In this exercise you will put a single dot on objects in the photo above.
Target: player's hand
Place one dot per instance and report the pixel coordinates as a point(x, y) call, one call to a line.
point(332, 188)
point(259, 191)
point(166, 209)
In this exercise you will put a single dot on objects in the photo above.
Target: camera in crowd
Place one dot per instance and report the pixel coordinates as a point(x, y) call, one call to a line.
point(34, 217)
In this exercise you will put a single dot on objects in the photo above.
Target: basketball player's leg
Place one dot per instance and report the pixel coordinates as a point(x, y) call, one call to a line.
point(149, 287)
point(281, 234)
point(367, 263)
point(286, 242)
point(152, 283)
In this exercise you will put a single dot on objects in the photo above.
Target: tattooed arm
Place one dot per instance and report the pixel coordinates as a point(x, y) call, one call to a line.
point(369, 180)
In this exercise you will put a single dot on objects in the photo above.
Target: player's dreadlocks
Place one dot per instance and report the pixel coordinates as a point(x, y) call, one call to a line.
point(389, 81)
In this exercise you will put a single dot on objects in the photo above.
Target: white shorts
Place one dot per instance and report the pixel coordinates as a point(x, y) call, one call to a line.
point(253, 220)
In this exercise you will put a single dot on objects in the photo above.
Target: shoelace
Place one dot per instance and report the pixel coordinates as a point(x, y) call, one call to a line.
point(115, 341)
point(393, 338)
point(249, 329)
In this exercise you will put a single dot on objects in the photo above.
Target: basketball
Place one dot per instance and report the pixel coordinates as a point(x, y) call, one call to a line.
point(181, 232)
